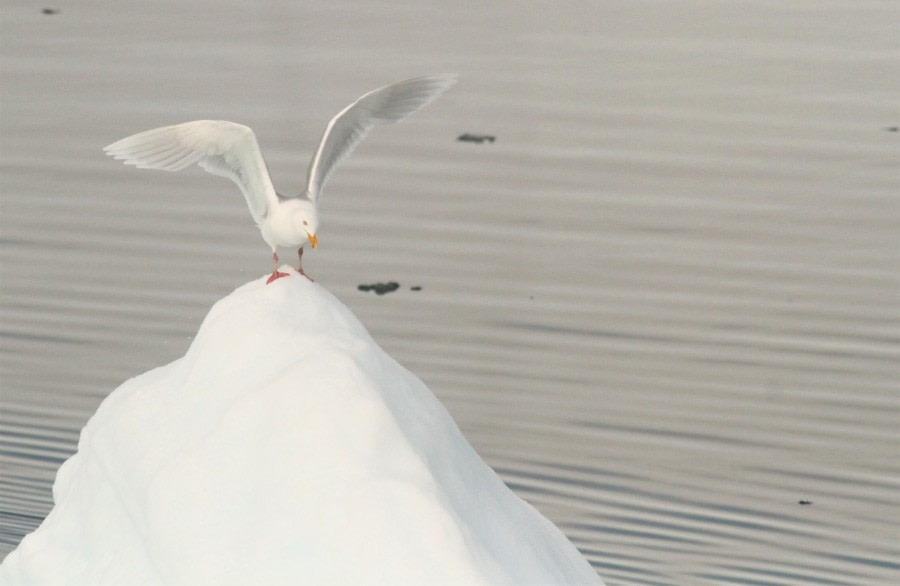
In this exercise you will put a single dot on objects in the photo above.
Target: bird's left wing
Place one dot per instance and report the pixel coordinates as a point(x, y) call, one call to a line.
point(222, 148)
point(386, 105)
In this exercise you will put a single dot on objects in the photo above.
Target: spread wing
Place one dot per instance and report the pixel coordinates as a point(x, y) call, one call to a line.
point(389, 104)
point(222, 148)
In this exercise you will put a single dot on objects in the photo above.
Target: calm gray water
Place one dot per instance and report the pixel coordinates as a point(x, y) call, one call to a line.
point(664, 304)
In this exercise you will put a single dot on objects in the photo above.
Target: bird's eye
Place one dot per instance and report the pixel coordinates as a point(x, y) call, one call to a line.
point(305, 223)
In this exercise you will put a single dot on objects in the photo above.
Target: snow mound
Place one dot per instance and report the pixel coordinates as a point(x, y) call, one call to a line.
point(284, 447)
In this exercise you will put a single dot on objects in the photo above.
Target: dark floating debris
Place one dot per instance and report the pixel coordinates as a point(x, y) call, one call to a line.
point(893, 128)
point(380, 288)
point(415, 288)
point(476, 138)
point(804, 502)
point(50, 11)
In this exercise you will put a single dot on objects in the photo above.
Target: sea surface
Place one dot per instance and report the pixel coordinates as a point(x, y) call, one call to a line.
point(664, 302)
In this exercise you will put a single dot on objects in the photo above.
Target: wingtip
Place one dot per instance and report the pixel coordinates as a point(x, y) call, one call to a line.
point(436, 84)
point(445, 79)
point(114, 153)
point(115, 148)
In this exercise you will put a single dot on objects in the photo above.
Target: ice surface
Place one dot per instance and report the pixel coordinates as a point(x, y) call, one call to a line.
point(284, 447)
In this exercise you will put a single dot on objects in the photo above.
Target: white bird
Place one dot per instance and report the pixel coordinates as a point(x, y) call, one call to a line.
point(230, 150)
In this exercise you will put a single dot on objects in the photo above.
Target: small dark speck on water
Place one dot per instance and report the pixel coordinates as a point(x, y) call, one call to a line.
point(804, 502)
point(893, 128)
point(50, 11)
point(380, 288)
point(415, 288)
point(476, 138)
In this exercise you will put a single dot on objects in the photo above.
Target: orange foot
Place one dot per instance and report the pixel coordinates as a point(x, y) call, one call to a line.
point(276, 274)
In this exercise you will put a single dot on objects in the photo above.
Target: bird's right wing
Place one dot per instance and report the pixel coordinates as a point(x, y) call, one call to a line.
point(222, 148)
point(385, 105)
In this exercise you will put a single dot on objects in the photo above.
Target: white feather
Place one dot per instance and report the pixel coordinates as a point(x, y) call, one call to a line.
point(231, 150)
point(386, 105)
point(222, 148)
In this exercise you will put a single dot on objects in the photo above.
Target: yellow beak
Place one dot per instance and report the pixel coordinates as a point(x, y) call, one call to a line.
point(312, 240)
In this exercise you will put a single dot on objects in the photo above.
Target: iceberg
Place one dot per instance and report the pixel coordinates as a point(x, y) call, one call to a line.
point(285, 447)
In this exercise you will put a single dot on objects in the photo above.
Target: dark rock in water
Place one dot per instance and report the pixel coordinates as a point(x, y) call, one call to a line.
point(476, 138)
point(893, 128)
point(50, 11)
point(415, 288)
point(804, 502)
point(380, 288)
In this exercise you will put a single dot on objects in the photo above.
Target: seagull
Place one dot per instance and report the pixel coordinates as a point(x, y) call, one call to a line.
point(231, 150)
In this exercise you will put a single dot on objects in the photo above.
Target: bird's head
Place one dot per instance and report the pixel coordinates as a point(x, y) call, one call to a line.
point(310, 226)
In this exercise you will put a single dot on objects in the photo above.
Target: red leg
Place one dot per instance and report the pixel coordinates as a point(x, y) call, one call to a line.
point(300, 264)
point(275, 273)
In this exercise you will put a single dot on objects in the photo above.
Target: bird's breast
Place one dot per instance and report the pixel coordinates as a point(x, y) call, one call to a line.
point(283, 228)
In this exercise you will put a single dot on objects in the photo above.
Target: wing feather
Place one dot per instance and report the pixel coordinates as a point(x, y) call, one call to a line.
point(221, 148)
point(386, 105)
